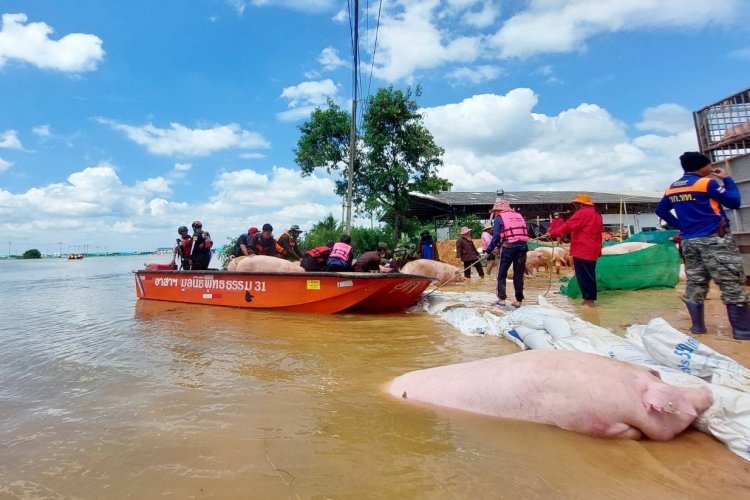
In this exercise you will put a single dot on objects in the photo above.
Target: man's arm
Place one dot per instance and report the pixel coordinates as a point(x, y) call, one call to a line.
point(497, 228)
point(664, 212)
point(728, 194)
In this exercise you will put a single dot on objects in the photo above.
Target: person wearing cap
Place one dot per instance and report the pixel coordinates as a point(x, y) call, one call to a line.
point(200, 248)
point(182, 249)
point(263, 243)
point(286, 245)
point(585, 228)
point(242, 247)
point(370, 261)
point(486, 239)
point(510, 234)
point(708, 248)
point(467, 253)
point(427, 248)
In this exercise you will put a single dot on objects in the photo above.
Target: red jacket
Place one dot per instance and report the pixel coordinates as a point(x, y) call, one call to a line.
point(585, 228)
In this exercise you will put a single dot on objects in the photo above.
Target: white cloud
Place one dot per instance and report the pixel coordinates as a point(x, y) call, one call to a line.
point(75, 52)
point(495, 141)
point(562, 26)
point(182, 167)
point(9, 140)
point(42, 130)
point(5, 164)
point(415, 26)
point(330, 60)
point(305, 97)
point(670, 118)
point(476, 75)
point(178, 140)
point(483, 17)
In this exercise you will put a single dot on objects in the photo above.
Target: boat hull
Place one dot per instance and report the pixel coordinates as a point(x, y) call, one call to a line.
point(322, 293)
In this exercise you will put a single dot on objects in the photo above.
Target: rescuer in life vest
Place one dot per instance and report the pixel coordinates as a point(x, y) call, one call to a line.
point(263, 243)
point(315, 259)
point(509, 231)
point(286, 244)
point(182, 249)
point(341, 255)
point(200, 251)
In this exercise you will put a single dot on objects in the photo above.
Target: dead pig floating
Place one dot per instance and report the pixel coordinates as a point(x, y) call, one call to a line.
point(577, 391)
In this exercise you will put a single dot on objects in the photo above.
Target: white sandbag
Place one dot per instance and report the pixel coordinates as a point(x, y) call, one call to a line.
point(607, 343)
point(727, 419)
point(535, 339)
point(556, 327)
point(468, 320)
point(670, 347)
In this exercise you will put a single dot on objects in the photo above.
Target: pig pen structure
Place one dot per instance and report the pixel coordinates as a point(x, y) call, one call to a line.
point(723, 130)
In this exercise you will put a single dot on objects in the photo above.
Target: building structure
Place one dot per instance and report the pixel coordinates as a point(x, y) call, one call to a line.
point(626, 212)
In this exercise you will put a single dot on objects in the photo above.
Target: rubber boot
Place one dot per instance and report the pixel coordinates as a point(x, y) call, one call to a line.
point(695, 309)
point(739, 318)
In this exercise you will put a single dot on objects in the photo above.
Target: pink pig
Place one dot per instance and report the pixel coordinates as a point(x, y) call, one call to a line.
point(444, 273)
point(266, 264)
point(582, 392)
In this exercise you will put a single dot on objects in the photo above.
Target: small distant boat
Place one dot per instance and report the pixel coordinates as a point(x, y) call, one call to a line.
point(306, 292)
point(75, 256)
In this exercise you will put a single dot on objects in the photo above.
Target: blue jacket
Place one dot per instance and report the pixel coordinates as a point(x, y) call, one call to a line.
point(697, 201)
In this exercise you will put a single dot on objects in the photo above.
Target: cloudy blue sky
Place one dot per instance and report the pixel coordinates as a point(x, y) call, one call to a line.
point(120, 121)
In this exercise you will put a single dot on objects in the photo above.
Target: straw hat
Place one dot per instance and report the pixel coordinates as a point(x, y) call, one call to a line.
point(488, 226)
point(500, 206)
point(465, 230)
point(583, 199)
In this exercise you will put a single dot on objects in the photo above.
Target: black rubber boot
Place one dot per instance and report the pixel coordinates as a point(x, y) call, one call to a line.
point(695, 309)
point(739, 318)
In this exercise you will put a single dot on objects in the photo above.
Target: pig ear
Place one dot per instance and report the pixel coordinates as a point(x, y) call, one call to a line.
point(666, 399)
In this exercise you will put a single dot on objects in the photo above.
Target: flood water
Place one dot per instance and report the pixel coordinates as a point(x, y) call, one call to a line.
point(105, 396)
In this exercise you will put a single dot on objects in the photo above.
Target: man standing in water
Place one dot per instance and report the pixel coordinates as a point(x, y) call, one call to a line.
point(510, 233)
point(585, 228)
point(707, 245)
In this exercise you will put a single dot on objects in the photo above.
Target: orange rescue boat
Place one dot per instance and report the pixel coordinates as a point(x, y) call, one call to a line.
point(308, 292)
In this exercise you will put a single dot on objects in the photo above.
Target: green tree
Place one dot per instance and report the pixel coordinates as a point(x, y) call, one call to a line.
point(324, 143)
point(32, 254)
point(226, 253)
point(322, 232)
point(396, 154)
point(401, 155)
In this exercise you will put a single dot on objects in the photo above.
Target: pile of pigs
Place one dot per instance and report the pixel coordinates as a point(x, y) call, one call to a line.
point(655, 381)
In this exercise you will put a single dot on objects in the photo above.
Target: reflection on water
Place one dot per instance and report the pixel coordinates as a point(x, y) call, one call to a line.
point(106, 396)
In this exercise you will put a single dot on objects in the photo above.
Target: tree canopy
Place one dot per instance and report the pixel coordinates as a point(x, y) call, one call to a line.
point(401, 154)
point(324, 143)
point(396, 153)
point(32, 253)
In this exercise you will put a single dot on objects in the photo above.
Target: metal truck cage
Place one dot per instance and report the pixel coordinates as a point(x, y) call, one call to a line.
point(723, 127)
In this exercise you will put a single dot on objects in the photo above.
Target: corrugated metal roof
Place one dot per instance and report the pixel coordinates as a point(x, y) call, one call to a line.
point(450, 204)
point(534, 197)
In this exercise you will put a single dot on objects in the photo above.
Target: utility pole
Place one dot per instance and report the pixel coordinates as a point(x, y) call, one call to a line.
point(353, 132)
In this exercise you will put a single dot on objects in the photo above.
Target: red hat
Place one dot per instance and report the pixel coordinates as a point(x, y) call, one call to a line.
point(252, 230)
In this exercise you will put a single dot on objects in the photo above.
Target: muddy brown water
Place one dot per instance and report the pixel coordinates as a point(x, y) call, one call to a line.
point(103, 396)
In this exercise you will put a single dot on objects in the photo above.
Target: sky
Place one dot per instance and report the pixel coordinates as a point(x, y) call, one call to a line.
point(120, 121)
